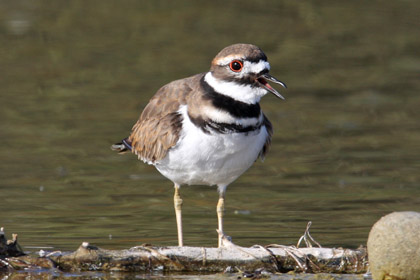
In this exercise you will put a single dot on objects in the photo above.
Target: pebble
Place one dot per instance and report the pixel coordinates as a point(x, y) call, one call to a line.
point(394, 247)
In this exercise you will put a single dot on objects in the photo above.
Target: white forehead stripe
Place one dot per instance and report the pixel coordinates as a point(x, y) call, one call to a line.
point(255, 67)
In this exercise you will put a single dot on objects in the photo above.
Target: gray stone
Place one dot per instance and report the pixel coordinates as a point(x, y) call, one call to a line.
point(394, 247)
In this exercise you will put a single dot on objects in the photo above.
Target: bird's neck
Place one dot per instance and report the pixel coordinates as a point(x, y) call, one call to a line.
point(214, 111)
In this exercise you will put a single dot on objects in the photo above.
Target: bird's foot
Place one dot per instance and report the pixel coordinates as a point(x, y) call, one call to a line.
point(224, 240)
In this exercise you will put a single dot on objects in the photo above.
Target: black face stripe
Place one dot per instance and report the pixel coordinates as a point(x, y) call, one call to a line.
point(256, 59)
point(234, 107)
point(264, 71)
point(231, 128)
point(222, 128)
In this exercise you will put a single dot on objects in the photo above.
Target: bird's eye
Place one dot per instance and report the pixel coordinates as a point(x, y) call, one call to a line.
point(236, 66)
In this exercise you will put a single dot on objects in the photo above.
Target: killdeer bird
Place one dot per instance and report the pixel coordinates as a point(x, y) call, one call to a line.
point(207, 129)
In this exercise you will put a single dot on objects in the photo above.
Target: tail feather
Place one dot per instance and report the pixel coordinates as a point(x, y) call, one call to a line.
point(123, 147)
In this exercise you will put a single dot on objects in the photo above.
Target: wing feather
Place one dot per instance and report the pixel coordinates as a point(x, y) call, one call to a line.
point(159, 126)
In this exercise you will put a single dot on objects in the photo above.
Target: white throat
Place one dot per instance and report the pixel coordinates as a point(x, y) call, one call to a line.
point(243, 93)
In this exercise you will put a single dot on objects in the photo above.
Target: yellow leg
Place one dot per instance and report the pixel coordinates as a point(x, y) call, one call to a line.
point(178, 214)
point(220, 210)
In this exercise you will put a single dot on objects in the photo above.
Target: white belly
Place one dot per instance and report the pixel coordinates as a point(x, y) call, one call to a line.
point(210, 158)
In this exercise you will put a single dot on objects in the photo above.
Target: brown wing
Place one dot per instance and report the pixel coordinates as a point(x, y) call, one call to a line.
point(267, 144)
point(160, 124)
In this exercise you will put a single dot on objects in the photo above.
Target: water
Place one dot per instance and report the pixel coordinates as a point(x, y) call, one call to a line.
point(74, 77)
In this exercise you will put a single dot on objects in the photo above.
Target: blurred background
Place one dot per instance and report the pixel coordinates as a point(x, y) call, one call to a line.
point(75, 76)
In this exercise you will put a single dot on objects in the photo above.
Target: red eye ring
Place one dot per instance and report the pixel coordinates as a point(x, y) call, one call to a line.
point(236, 65)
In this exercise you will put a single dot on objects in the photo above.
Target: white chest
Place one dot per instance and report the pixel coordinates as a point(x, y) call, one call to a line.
point(210, 158)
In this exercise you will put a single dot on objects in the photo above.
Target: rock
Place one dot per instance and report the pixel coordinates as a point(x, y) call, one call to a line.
point(394, 247)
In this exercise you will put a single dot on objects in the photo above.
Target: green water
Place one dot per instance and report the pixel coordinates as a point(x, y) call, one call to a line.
point(75, 75)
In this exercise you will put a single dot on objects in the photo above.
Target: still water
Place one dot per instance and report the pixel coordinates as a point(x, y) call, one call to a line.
point(74, 77)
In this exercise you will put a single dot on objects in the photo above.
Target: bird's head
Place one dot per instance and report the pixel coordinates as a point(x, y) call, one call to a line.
point(243, 66)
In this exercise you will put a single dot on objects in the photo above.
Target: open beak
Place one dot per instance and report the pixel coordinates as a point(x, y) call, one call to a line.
point(263, 80)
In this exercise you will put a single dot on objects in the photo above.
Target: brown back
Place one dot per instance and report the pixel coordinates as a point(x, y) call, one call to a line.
point(159, 126)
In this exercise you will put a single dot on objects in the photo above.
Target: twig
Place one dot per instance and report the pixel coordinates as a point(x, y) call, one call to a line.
point(308, 238)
